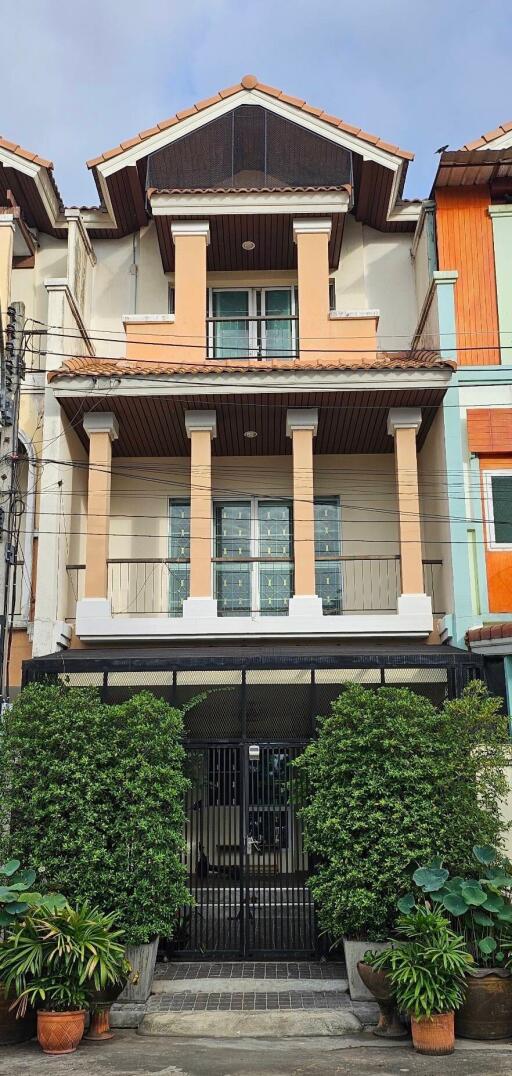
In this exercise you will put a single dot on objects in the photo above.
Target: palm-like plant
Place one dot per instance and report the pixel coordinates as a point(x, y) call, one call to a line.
point(55, 960)
point(426, 965)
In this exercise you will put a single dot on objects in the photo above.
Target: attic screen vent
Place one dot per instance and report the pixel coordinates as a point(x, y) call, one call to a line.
point(249, 148)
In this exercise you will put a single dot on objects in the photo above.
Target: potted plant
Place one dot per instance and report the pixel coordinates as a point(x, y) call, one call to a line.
point(52, 961)
point(426, 965)
point(380, 987)
point(101, 1000)
point(480, 909)
point(16, 899)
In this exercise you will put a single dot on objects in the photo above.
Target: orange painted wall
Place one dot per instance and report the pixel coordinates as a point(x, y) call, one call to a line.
point(498, 561)
point(21, 650)
point(465, 243)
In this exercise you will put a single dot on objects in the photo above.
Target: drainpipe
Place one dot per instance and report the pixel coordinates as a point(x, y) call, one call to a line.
point(134, 271)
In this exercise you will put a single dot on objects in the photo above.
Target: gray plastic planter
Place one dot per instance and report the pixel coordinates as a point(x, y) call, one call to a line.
point(142, 959)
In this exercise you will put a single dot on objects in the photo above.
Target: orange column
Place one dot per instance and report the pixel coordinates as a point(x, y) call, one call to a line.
point(201, 427)
point(102, 429)
point(403, 425)
point(301, 426)
point(312, 239)
point(6, 254)
point(191, 239)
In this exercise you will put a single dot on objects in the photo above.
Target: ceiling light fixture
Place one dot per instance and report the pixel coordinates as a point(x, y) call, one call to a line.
point(248, 244)
point(250, 434)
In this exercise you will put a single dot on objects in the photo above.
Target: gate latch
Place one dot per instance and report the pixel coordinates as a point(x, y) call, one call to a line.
point(254, 751)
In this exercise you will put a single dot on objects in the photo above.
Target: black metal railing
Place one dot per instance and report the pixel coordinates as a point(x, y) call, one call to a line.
point(347, 585)
point(257, 337)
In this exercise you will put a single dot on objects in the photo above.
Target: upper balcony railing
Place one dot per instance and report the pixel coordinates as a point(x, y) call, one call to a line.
point(253, 337)
point(257, 586)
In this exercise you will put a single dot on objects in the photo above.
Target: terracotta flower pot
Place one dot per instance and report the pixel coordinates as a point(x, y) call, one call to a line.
point(379, 984)
point(60, 1032)
point(12, 1029)
point(434, 1034)
point(487, 1010)
point(101, 1002)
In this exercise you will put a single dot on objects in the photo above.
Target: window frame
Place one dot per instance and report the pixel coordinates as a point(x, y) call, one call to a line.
point(254, 557)
point(256, 305)
point(487, 477)
point(335, 500)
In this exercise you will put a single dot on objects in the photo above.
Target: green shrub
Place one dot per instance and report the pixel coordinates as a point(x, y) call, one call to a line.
point(394, 782)
point(94, 798)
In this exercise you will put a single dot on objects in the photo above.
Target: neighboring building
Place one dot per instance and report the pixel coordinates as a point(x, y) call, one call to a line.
point(471, 252)
point(239, 431)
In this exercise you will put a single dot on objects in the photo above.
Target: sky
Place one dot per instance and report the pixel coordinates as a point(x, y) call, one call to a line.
point(84, 76)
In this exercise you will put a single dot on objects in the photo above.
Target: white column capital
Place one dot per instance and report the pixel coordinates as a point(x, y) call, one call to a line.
point(403, 418)
point(101, 422)
point(301, 418)
point(191, 227)
point(201, 420)
point(307, 225)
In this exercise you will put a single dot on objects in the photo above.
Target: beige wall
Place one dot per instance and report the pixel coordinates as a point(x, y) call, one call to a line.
point(365, 485)
point(434, 506)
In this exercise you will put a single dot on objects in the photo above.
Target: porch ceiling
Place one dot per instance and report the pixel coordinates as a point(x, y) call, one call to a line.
point(348, 422)
point(272, 235)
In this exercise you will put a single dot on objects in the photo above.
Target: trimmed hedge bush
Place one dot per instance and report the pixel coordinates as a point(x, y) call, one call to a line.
point(94, 798)
point(394, 782)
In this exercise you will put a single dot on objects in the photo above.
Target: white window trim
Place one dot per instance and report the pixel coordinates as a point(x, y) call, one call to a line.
point(252, 293)
point(489, 508)
point(254, 502)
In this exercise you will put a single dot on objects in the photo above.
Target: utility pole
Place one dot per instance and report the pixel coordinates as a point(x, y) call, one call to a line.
point(12, 372)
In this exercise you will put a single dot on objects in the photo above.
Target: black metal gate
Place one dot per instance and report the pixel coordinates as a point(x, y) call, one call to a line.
point(247, 868)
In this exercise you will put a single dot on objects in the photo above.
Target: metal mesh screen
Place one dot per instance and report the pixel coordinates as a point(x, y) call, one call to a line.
point(217, 716)
point(278, 704)
point(250, 147)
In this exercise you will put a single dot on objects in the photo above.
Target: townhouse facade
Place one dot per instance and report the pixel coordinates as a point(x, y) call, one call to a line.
point(241, 387)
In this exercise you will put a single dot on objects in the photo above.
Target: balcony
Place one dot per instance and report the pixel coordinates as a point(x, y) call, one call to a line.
point(350, 587)
point(256, 337)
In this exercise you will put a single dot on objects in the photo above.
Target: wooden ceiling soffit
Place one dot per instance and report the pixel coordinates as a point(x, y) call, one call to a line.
point(348, 422)
point(272, 235)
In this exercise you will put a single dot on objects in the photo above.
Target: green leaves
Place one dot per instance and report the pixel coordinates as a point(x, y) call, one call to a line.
point(487, 945)
point(430, 879)
point(407, 903)
point(455, 904)
point(473, 895)
point(96, 794)
point(485, 854)
point(10, 868)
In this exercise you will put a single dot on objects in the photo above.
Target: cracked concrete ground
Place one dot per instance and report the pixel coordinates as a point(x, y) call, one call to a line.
point(131, 1055)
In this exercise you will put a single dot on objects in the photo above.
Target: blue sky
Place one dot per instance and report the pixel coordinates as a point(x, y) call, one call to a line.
point(85, 75)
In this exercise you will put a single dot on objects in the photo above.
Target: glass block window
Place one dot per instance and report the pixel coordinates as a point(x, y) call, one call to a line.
point(179, 555)
point(328, 545)
point(253, 569)
point(499, 507)
point(275, 541)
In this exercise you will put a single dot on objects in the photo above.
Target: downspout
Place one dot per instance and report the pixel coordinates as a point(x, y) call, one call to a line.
point(134, 271)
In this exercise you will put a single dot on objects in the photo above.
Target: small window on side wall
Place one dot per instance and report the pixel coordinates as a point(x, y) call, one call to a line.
point(332, 294)
point(498, 496)
point(170, 299)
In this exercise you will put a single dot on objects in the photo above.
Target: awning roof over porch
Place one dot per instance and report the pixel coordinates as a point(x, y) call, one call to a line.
point(362, 654)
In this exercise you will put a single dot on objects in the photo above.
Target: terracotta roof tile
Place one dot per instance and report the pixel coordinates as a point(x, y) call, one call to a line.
point(490, 136)
point(485, 634)
point(89, 365)
point(250, 82)
point(13, 147)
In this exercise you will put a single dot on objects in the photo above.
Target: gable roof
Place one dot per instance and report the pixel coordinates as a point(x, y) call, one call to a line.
point(250, 82)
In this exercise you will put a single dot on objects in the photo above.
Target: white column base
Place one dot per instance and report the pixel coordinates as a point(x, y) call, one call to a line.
point(199, 607)
point(414, 605)
point(91, 608)
point(305, 605)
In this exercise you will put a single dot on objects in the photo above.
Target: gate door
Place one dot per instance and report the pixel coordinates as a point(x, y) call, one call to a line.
point(247, 869)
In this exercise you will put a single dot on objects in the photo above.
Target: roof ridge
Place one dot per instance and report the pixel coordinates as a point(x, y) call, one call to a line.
point(251, 82)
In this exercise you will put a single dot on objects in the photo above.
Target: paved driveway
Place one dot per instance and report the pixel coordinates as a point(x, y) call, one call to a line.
point(131, 1055)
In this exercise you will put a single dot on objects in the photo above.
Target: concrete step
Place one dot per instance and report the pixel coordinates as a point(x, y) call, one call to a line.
point(244, 986)
point(265, 1025)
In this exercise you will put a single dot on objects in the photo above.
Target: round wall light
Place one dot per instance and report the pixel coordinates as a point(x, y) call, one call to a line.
point(248, 244)
point(250, 434)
